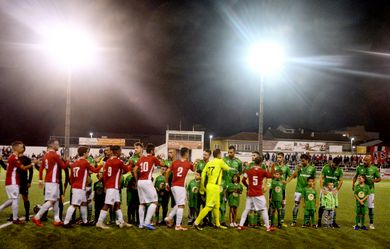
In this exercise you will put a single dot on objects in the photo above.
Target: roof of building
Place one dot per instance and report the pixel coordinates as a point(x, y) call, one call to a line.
point(275, 134)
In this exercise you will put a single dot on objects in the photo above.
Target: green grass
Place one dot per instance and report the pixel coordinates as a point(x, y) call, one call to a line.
point(29, 236)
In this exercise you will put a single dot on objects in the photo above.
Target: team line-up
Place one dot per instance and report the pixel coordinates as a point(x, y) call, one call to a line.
point(215, 184)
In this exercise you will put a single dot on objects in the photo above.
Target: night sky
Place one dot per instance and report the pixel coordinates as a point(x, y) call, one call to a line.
point(165, 61)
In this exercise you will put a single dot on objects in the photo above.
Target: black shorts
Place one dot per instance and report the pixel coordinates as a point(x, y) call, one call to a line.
point(23, 190)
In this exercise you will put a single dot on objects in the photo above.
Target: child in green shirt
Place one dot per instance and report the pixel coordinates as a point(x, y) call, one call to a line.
point(329, 201)
point(276, 198)
point(310, 204)
point(192, 191)
point(163, 195)
point(234, 189)
point(361, 193)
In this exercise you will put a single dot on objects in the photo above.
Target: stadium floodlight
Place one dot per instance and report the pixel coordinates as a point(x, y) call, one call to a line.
point(91, 134)
point(352, 147)
point(68, 44)
point(71, 47)
point(211, 137)
point(264, 58)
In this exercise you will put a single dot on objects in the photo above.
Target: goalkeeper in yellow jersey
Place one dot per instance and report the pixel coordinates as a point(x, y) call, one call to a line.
point(213, 171)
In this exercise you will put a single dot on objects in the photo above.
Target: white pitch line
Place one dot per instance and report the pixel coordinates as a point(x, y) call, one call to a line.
point(23, 218)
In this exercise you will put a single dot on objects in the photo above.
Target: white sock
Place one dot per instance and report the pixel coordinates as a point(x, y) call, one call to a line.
point(5, 204)
point(43, 209)
point(119, 215)
point(150, 213)
point(173, 212)
point(15, 208)
point(141, 213)
point(56, 210)
point(265, 217)
point(83, 212)
point(102, 216)
point(69, 214)
point(179, 216)
point(244, 215)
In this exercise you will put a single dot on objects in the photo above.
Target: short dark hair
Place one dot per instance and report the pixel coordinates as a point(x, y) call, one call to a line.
point(82, 150)
point(184, 151)
point(310, 178)
point(216, 152)
point(280, 153)
point(258, 160)
point(16, 143)
point(279, 171)
point(337, 160)
point(256, 152)
point(51, 141)
point(305, 156)
point(208, 151)
point(149, 148)
point(139, 144)
point(116, 150)
point(231, 147)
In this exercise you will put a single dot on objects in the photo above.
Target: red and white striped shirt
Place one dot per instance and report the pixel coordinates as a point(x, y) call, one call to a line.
point(51, 161)
point(112, 174)
point(12, 176)
point(79, 173)
point(146, 165)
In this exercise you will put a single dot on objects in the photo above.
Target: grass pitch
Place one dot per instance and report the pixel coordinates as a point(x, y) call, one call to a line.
point(29, 236)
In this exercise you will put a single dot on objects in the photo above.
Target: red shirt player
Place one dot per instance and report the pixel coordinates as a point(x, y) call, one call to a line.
point(255, 197)
point(79, 173)
point(52, 162)
point(112, 174)
point(146, 191)
point(179, 169)
point(12, 181)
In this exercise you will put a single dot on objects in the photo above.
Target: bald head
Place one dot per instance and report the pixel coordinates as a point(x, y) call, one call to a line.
point(367, 160)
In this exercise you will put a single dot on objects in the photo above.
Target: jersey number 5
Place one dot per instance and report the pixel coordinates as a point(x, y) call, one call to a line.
point(255, 180)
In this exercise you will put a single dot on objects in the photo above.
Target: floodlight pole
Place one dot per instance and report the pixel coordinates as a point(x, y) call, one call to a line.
point(261, 115)
point(67, 112)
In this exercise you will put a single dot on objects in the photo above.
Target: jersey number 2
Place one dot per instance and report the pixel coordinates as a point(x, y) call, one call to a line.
point(179, 172)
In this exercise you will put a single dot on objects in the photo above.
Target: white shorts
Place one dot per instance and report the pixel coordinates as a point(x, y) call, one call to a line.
point(146, 192)
point(371, 199)
point(89, 193)
point(180, 194)
point(12, 191)
point(258, 202)
point(78, 196)
point(52, 191)
point(297, 197)
point(112, 196)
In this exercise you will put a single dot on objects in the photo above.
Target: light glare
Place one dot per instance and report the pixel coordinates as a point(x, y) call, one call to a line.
point(69, 45)
point(266, 57)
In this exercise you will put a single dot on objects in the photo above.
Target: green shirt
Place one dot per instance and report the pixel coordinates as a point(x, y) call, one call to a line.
point(234, 190)
point(371, 173)
point(193, 188)
point(236, 166)
point(200, 166)
point(331, 174)
point(251, 164)
point(302, 175)
point(286, 172)
point(310, 196)
point(330, 200)
point(168, 164)
point(277, 190)
point(134, 159)
point(159, 183)
point(362, 192)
